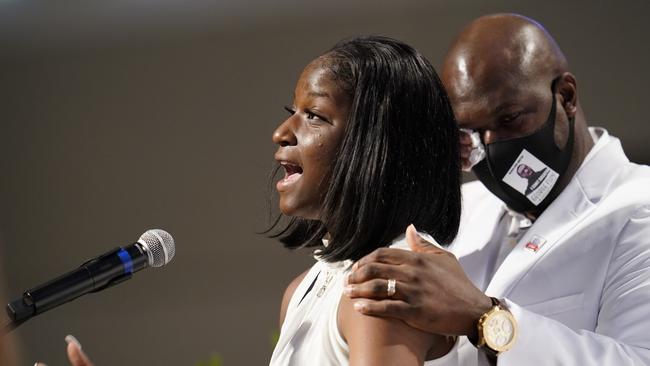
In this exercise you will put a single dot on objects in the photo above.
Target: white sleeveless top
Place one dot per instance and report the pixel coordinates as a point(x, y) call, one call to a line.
point(310, 333)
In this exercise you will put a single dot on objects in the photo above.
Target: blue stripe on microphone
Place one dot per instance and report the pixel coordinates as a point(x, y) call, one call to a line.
point(126, 261)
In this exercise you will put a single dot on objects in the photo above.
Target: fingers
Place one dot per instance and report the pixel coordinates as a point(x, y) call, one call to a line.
point(76, 356)
point(382, 271)
point(384, 255)
point(465, 149)
point(465, 137)
point(377, 289)
point(385, 308)
point(399, 256)
point(419, 244)
point(385, 263)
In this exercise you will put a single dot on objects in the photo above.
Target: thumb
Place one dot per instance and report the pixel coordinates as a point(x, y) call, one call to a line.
point(76, 356)
point(419, 244)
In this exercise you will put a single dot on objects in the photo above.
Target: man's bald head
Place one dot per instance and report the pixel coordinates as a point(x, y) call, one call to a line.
point(507, 78)
point(503, 61)
point(502, 49)
point(505, 41)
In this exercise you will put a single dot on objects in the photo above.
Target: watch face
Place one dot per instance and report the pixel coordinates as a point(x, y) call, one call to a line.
point(499, 331)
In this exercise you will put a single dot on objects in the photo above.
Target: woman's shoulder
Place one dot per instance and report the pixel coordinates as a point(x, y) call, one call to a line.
point(376, 340)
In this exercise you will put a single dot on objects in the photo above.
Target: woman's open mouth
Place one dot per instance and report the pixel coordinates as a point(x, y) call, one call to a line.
point(293, 172)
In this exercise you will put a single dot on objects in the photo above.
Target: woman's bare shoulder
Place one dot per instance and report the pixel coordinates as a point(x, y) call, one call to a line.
point(373, 340)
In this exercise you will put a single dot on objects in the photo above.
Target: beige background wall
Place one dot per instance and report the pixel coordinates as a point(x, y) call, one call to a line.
point(115, 121)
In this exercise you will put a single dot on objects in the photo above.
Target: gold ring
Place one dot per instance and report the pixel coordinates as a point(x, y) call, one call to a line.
point(391, 287)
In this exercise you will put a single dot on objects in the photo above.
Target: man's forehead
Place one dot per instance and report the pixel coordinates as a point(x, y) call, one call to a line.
point(481, 89)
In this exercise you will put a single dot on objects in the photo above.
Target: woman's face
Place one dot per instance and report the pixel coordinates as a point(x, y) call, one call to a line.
point(308, 141)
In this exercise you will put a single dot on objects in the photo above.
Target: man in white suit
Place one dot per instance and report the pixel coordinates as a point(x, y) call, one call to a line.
point(556, 274)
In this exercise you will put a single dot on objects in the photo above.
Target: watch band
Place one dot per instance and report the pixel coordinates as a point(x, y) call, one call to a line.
point(481, 341)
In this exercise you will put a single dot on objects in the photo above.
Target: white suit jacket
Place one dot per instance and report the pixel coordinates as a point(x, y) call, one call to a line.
point(583, 297)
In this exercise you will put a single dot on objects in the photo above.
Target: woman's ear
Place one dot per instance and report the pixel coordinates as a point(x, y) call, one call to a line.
point(567, 87)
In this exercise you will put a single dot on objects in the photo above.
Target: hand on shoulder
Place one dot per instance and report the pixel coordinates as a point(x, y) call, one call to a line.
point(432, 292)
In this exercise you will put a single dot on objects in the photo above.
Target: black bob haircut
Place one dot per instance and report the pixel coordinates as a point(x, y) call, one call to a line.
point(399, 161)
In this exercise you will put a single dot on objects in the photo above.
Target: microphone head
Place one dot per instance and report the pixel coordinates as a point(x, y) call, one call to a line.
point(159, 246)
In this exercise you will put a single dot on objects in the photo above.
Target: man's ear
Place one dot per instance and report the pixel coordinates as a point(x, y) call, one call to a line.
point(568, 89)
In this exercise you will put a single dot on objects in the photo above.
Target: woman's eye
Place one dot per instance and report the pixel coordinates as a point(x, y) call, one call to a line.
point(313, 116)
point(290, 110)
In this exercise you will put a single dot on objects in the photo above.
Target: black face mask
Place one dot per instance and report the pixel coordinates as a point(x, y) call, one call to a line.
point(524, 172)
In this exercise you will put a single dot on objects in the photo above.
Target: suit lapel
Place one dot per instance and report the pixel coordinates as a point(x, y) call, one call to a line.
point(565, 213)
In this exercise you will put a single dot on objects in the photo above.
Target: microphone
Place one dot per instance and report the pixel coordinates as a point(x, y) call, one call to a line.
point(155, 248)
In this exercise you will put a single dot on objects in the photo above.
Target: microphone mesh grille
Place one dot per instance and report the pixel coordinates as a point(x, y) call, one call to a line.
point(159, 245)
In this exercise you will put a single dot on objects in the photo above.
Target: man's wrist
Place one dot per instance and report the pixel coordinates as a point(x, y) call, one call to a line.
point(496, 329)
point(481, 308)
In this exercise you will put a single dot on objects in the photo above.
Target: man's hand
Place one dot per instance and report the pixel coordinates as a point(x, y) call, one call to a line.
point(465, 150)
point(432, 292)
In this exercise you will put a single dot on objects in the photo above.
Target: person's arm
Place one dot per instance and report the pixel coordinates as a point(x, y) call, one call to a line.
point(422, 275)
point(386, 341)
point(544, 341)
point(620, 338)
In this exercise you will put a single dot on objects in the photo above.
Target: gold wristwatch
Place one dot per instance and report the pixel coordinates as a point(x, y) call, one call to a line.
point(497, 329)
